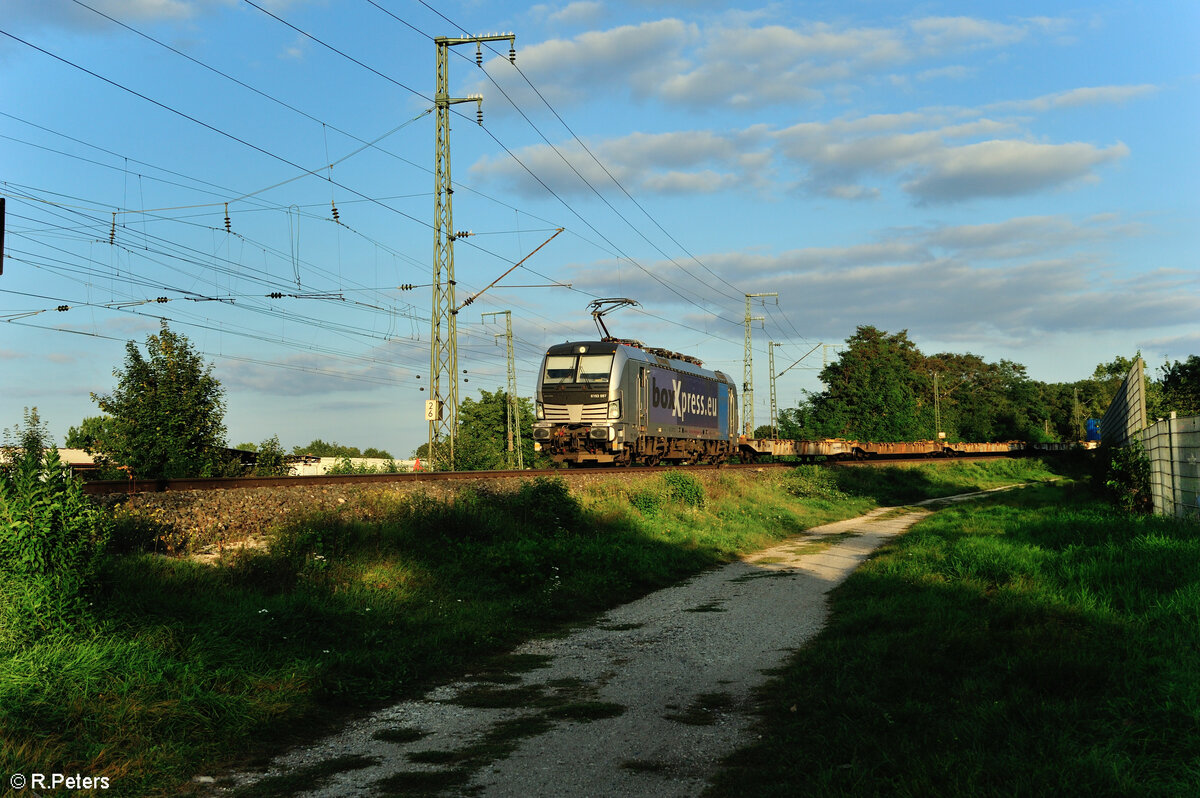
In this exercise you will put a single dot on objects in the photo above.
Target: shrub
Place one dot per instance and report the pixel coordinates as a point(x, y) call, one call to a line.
point(812, 482)
point(546, 503)
point(684, 488)
point(271, 459)
point(1127, 478)
point(51, 539)
point(647, 500)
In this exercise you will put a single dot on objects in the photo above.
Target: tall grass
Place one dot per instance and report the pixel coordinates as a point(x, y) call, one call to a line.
point(181, 667)
point(1036, 644)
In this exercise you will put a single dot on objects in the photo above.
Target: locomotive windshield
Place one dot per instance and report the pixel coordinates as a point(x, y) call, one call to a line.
point(580, 369)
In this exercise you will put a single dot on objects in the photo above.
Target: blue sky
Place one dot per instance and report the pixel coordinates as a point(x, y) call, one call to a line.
point(1019, 183)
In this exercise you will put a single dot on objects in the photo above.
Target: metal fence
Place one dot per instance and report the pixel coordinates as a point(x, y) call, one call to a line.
point(1173, 447)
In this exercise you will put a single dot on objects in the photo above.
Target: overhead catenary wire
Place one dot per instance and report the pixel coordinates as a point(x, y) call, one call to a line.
point(704, 332)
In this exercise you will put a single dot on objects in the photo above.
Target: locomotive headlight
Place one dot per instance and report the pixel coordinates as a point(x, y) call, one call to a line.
point(541, 412)
point(614, 408)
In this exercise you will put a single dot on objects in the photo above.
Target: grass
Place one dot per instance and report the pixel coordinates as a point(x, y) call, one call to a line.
point(1034, 643)
point(181, 669)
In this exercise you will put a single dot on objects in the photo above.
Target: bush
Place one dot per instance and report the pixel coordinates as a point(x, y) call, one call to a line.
point(684, 488)
point(812, 482)
point(1127, 478)
point(271, 459)
point(671, 487)
point(51, 540)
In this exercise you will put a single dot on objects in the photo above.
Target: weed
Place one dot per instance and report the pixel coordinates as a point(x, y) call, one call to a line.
point(399, 734)
point(711, 606)
point(305, 778)
point(422, 782)
point(584, 711)
point(812, 482)
point(705, 709)
point(683, 488)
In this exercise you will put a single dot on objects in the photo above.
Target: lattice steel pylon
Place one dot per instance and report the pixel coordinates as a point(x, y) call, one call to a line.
point(771, 370)
point(748, 374)
point(512, 415)
point(441, 409)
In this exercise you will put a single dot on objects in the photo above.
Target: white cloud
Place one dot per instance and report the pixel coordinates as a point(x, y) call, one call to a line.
point(698, 161)
point(939, 34)
point(41, 13)
point(1010, 280)
point(1084, 96)
point(1005, 169)
point(737, 61)
point(584, 12)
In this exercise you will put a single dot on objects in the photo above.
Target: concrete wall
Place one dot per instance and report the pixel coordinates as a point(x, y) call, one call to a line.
point(1173, 446)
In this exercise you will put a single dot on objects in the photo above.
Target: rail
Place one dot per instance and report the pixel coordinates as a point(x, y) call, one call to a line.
point(109, 487)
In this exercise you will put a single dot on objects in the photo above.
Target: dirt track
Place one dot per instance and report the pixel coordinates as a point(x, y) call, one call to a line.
point(646, 701)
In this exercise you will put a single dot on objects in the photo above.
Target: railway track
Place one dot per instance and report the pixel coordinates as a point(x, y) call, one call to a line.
point(104, 487)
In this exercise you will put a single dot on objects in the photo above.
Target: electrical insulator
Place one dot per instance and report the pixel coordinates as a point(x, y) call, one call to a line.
point(406, 287)
point(478, 55)
point(479, 115)
point(512, 54)
point(462, 234)
point(162, 300)
point(275, 295)
point(228, 229)
point(112, 233)
point(61, 308)
point(335, 212)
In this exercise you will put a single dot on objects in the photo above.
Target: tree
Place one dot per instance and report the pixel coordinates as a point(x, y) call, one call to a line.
point(1181, 386)
point(90, 435)
point(320, 448)
point(481, 442)
point(876, 390)
point(272, 459)
point(167, 411)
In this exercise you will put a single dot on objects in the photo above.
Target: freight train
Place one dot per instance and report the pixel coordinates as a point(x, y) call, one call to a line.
point(618, 402)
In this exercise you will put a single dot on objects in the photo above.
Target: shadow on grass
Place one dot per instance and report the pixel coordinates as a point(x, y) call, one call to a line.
point(1010, 648)
point(896, 485)
point(227, 663)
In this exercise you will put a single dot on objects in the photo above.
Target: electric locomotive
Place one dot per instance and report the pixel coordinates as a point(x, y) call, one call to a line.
point(618, 402)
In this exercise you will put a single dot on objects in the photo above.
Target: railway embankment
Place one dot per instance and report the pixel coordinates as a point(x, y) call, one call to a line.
point(207, 522)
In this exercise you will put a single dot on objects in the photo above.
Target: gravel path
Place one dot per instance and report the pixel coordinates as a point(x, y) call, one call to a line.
point(646, 701)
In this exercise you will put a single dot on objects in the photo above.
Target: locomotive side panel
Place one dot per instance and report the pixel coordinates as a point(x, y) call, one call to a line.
point(686, 404)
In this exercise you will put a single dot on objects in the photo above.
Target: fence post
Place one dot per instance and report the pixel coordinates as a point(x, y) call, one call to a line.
point(1176, 502)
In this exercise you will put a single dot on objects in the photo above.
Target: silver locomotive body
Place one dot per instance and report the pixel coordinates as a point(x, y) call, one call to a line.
point(616, 403)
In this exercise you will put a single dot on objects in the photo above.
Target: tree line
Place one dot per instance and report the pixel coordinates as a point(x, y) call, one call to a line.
point(881, 387)
point(165, 417)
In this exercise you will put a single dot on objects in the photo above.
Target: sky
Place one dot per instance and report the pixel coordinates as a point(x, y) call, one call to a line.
point(1018, 182)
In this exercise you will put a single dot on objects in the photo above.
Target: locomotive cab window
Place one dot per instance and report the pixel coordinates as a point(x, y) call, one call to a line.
point(594, 368)
point(560, 368)
point(582, 369)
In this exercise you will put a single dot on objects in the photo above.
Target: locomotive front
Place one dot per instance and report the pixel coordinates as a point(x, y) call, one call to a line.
point(610, 402)
point(579, 403)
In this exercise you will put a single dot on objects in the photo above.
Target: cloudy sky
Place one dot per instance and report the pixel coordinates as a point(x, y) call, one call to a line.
point(1019, 183)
